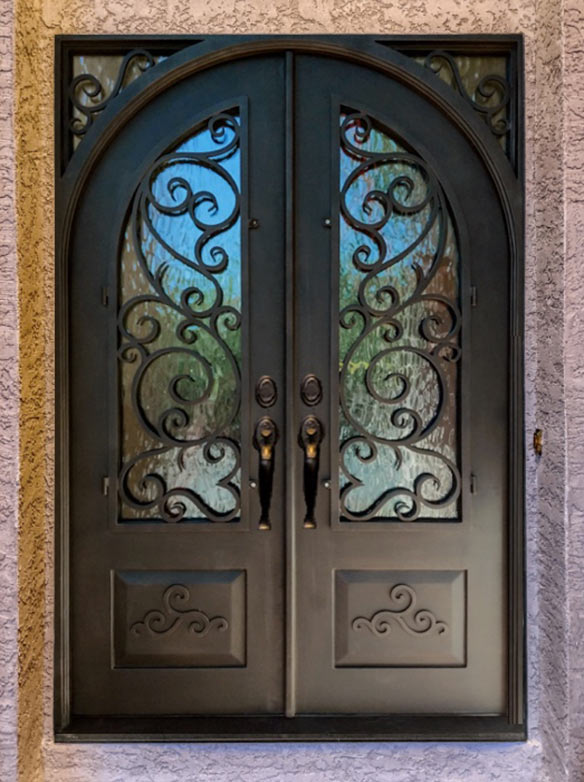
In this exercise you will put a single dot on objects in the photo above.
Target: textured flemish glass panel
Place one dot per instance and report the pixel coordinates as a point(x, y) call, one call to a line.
point(482, 81)
point(99, 77)
point(399, 332)
point(180, 332)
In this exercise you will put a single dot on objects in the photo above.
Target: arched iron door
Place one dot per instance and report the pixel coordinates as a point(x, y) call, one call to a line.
point(400, 572)
point(291, 473)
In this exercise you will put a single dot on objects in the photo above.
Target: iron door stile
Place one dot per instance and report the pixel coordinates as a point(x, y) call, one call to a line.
point(290, 439)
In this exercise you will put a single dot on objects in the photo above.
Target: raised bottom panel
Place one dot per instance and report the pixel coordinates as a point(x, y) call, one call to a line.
point(400, 618)
point(179, 619)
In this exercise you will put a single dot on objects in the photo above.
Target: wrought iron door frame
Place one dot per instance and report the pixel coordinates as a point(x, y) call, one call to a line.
point(389, 55)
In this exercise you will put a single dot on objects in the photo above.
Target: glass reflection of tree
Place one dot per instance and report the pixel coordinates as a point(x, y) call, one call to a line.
point(389, 468)
point(190, 467)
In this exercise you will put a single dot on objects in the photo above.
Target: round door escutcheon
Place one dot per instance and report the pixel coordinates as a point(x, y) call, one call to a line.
point(266, 392)
point(311, 390)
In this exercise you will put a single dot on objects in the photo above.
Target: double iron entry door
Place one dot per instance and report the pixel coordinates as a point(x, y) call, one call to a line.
point(289, 372)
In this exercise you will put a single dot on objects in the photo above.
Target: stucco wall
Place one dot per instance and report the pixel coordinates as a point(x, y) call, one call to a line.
point(555, 389)
point(574, 371)
point(8, 409)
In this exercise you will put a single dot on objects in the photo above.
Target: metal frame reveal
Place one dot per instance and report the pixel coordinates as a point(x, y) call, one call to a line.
point(390, 55)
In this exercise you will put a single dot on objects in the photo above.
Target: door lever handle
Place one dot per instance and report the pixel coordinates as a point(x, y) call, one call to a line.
point(264, 440)
point(310, 437)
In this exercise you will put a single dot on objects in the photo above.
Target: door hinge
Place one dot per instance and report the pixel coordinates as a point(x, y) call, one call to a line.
point(105, 295)
point(473, 483)
point(105, 482)
point(473, 296)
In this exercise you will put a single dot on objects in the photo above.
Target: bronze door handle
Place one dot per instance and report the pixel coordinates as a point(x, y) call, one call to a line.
point(310, 437)
point(264, 441)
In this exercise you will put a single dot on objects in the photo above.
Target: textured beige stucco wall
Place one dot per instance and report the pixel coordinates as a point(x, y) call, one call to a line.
point(8, 407)
point(544, 23)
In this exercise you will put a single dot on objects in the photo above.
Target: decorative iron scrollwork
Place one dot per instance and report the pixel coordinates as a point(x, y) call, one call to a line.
point(492, 93)
point(402, 615)
point(88, 95)
point(175, 614)
point(399, 332)
point(179, 334)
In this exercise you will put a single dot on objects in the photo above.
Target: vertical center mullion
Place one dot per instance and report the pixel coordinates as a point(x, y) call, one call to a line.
point(291, 417)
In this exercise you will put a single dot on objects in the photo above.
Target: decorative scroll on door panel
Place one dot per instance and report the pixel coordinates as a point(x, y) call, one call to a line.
point(180, 333)
point(400, 618)
point(179, 619)
point(399, 332)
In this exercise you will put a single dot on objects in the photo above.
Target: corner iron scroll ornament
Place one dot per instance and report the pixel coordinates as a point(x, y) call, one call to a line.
point(175, 615)
point(403, 615)
point(88, 94)
point(491, 96)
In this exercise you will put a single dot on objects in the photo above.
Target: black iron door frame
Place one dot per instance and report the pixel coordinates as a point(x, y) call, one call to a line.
point(390, 56)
